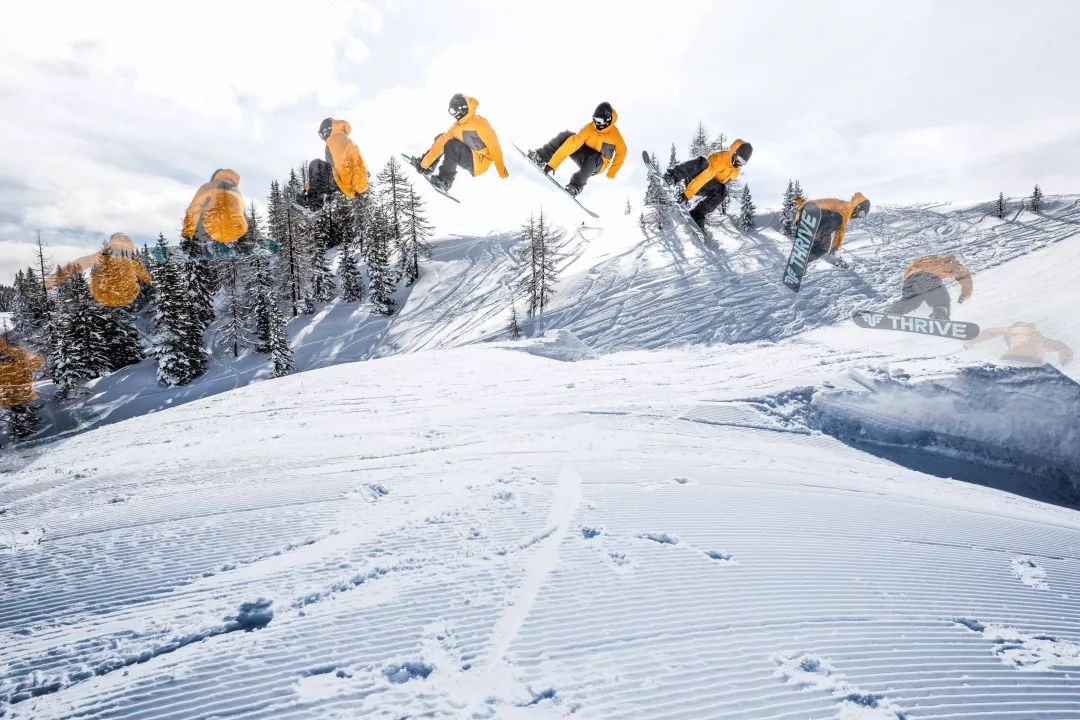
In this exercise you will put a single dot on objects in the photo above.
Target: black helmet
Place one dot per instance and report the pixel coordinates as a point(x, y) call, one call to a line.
point(603, 115)
point(742, 155)
point(459, 107)
point(325, 127)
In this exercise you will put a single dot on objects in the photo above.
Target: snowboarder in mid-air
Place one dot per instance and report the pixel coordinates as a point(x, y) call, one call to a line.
point(597, 146)
point(343, 167)
point(470, 144)
point(835, 216)
point(708, 178)
point(923, 283)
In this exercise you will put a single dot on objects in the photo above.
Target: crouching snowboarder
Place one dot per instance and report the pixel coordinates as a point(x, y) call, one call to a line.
point(470, 144)
point(598, 146)
point(924, 283)
point(343, 166)
point(835, 216)
point(708, 178)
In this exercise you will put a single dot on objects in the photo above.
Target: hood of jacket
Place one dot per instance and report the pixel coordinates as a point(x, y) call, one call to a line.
point(340, 126)
point(225, 175)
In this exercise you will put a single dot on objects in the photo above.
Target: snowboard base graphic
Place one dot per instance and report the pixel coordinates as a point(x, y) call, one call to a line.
point(799, 259)
point(954, 329)
point(553, 181)
point(414, 163)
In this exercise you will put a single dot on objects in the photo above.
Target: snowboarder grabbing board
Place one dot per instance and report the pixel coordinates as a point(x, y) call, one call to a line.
point(596, 147)
point(470, 144)
point(820, 226)
point(707, 178)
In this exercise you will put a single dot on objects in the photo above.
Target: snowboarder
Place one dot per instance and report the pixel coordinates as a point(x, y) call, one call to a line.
point(114, 276)
point(17, 375)
point(470, 143)
point(217, 210)
point(597, 146)
point(1026, 344)
point(835, 215)
point(343, 166)
point(708, 177)
point(923, 283)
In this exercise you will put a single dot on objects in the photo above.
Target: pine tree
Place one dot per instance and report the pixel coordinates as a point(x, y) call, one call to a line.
point(1002, 206)
point(747, 210)
point(719, 144)
point(236, 310)
point(394, 191)
point(263, 304)
point(673, 158)
point(1036, 199)
point(22, 421)
point(281, 357)
point(415, 235)
point(628, 210)
point(122, 340)
point(537, 263)
point(699, 143)
point(787, 211)
point(80, 349)
point(177, 330)
point(352, 281)
point(320, 276)
point(199, 280)
point(656, 202)
point(380, 274)
point(513, 328)
point(287, 232)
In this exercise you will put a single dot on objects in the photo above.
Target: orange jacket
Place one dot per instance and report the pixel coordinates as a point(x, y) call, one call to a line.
point(608, 142)
point(719, 169)
point(350, 172)
point(1025, 341)
point(475, 132)
point(114, 280)
point(944, 266)
point(843, 208)
point(220, 208)
point(17, 375)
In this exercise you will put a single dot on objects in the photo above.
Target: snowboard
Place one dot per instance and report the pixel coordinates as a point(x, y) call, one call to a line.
point(953, 329)
point(799, 259)
point(414, 163)
point(553, 181)
point(669, 191)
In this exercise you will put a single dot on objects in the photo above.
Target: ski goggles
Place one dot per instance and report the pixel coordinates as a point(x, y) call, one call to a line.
point(601, 122)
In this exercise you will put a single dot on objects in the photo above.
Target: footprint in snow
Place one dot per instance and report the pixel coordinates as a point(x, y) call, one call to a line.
point(1029, 572)
point(661, 538)
point(1024, 651)
point(806, 671)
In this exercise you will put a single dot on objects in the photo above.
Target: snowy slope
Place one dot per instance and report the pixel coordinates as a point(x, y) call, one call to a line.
point(493, 533)
point(620, 292)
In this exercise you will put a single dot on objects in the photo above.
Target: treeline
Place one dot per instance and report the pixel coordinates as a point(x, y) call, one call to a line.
point(362, 249)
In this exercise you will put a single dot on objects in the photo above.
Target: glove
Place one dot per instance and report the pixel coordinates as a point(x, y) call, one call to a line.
point(548, 169)
point(504, 174)
point(682, 199)
point(961, 299)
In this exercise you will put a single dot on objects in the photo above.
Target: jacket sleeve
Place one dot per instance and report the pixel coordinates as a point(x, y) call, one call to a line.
point(492, 141)
point(191, 215)
point(620, 156)
point(964, 278)
point(570, 146)
point(360, 182)
point(436, 150)
point(699, 182)
point(838, 239)
point(1065, 354)
point(984, 335)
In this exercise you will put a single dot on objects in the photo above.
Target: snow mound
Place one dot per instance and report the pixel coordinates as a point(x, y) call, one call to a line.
point(561, 345)
point(1024, 418)
point(1024, 651)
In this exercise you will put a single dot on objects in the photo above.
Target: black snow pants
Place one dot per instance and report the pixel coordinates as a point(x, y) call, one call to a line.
point(456, 154)
point(823, 238)
point(589, 161)
point(919, 288)
point(712, 193)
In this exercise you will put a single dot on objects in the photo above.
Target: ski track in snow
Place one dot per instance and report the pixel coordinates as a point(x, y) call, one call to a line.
point(544, 544)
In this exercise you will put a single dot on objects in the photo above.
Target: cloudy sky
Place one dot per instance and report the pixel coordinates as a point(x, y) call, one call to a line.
point(114, 112)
